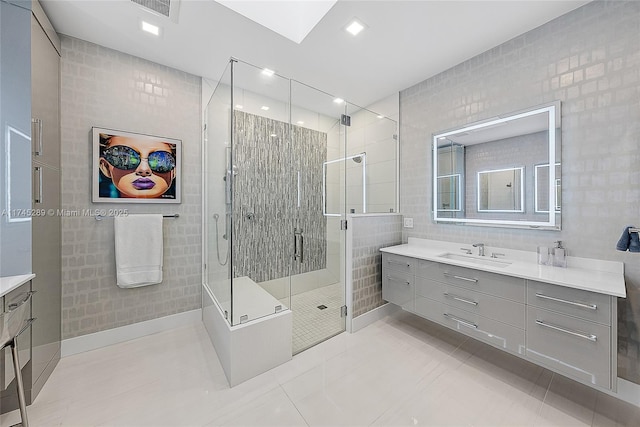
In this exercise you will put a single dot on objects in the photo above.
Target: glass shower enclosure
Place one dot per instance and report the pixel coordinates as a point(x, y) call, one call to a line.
point(283, 166)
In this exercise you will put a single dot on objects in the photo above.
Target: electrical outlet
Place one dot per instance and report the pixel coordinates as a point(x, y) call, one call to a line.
point(408, 223)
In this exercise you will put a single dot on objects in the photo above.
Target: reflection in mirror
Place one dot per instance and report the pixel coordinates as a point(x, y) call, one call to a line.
point(501, 190)
point(485, 173)
point(449, 193)
point(541, 184)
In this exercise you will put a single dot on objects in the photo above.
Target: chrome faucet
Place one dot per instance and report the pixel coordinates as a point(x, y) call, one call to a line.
point(480, 247)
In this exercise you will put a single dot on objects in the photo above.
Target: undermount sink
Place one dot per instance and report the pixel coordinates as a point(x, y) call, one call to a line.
point(489, 262)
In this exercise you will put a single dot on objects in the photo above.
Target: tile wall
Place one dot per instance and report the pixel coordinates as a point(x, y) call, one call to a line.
point(370, 234)
point(105, 88)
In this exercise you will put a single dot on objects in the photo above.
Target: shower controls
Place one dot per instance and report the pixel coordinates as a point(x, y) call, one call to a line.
point(298, 245)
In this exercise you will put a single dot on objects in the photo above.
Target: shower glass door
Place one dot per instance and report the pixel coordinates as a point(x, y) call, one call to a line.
point(317, 281)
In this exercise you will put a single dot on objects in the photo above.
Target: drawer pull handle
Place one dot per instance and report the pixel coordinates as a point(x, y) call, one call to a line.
point(461, 321)
point(467, 279)
point(393, 279)
point(399, 263)
point(577, 304)
point(457, 298)
point(589, 337)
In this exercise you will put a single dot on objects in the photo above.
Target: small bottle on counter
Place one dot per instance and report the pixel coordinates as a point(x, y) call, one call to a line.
point(559, 255)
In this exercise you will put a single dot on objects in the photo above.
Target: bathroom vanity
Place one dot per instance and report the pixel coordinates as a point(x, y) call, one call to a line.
point(564, 319)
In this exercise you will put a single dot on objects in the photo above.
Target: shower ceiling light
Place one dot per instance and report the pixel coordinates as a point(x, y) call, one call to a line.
point(264, 107)
point(381, 117)
point(338, 100)
point(267, 72)
point(355, 27)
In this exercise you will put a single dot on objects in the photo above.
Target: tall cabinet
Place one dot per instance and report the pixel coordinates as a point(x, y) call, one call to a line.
point(46, 243)
point(15, 176)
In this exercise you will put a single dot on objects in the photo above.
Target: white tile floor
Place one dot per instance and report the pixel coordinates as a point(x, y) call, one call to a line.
point(398, 371)
point(312, 325)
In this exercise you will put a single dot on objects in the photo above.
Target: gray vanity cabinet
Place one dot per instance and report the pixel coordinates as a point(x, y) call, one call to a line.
point(570, 331)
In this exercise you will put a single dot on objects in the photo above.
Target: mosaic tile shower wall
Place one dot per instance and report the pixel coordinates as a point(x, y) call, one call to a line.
point(266, 207)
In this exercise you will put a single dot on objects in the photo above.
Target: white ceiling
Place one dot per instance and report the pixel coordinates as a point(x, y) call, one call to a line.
point(404, 43)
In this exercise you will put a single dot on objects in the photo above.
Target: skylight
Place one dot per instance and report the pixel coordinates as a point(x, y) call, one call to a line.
point(291, 19)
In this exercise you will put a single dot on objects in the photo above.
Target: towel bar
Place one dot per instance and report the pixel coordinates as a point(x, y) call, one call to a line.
point(100, 217)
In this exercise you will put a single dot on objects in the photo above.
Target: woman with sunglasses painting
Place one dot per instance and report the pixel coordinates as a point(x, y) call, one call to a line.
point(138, 168)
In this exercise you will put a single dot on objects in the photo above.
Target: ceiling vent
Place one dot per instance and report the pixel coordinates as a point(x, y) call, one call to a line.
point(168, 8)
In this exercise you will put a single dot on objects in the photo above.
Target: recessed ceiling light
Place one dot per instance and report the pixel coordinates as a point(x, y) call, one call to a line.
point(381, 117)
point(268, 72)
point(273, 135)
point(239, 107)
point(150, 28)
point(300, 122)
point(355, 27)
point(264, 107)
point(338, 100)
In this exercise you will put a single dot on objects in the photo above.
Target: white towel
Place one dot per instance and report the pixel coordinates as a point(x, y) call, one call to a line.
point(138, 250)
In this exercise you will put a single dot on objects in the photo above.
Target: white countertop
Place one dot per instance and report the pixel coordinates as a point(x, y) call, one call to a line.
point(9, 283)
point(604, 277)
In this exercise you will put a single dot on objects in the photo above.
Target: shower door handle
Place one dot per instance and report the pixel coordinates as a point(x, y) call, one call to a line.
point(298, 245)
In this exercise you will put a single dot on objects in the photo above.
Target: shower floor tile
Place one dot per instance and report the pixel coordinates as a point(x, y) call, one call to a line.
point(311, 324)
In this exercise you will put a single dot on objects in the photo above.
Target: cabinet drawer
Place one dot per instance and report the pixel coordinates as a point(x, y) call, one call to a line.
point(479, 327)
point(399, 263)
point(574, 302)
point(500, 309)
point(398, 288)
point(569, 345)
point(489, 283)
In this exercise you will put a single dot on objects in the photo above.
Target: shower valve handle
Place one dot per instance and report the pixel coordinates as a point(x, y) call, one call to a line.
point(298, 245)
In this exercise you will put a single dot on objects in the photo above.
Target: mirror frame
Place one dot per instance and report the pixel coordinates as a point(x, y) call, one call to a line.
point(553, 124)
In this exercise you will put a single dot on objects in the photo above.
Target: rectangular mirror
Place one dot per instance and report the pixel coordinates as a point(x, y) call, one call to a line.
point(501, 190)
point(496, 172)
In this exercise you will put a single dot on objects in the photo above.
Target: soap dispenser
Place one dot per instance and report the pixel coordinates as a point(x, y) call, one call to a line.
point(559, 255)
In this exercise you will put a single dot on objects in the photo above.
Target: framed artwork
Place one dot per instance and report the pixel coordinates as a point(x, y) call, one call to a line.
point(135, 168)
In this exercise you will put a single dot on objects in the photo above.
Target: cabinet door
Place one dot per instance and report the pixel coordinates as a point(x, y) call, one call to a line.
point(399, 263)
point(573, 302)
point(47, 267)
point(497, 334)
point(573, 346)
point(15, 140)
point(398, 288)
point(45, 87)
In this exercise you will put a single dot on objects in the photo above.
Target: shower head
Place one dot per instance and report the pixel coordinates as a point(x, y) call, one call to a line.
point(358, 158)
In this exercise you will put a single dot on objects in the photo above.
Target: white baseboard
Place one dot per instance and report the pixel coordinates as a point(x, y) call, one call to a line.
point(125, 333)
point(369, 317)
point(628, 391)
